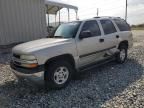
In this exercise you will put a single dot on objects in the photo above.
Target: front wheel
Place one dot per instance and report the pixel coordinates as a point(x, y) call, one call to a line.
point(121, 57)
point(58, 74)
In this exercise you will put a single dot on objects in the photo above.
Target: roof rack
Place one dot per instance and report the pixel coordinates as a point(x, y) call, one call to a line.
point(106, 17)
point(97, 17)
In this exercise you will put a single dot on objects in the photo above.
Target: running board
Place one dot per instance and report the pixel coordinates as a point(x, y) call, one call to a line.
point(97, 64)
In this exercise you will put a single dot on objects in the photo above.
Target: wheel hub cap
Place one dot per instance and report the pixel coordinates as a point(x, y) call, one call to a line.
point(61, 75)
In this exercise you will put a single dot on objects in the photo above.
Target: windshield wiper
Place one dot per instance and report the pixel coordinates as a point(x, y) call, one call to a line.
point(58, 37)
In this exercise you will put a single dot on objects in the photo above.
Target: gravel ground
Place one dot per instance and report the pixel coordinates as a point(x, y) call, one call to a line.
point(108, 86)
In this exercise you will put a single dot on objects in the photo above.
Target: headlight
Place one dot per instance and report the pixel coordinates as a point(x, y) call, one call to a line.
point(27, 57)
point(29, 61)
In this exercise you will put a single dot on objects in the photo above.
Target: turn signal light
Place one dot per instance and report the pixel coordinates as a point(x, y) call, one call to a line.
point(34, 65)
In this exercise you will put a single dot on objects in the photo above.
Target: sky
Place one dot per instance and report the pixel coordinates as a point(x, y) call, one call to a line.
point(88, 9)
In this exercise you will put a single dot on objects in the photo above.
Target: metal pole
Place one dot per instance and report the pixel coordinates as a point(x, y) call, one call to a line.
point(126, 10)
point(48, 19)
point(97, 12)
point(59, 17)
point(68, 16)
point(76, 14)
point(55, 19)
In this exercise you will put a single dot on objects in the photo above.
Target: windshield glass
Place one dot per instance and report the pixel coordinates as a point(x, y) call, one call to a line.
point(67, 30)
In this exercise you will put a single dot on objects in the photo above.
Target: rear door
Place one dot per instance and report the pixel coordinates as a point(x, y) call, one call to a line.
point(110, 34)
point(124, 30)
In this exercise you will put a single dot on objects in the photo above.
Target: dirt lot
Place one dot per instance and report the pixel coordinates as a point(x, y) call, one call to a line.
point(108, 86)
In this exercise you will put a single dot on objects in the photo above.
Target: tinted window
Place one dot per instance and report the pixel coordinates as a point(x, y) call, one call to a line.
point(108, 26)
point(93, 27)
point(122, 25)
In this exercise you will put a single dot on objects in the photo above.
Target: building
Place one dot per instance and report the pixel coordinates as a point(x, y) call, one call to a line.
point(25, 20)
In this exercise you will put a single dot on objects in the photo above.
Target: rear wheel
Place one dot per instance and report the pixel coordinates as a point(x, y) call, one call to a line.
point(58, 74)
point(121, 57)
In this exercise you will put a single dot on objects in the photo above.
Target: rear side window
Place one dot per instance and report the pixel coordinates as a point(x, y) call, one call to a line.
point(122, 25)
point(108, 26)
point(93, 27)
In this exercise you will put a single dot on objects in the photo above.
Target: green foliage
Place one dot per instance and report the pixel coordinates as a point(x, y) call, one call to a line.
point(138, 27)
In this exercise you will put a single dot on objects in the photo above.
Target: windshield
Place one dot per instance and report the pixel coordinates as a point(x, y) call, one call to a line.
point(67, 30)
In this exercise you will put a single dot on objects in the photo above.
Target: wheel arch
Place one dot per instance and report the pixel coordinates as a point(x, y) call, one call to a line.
point(66, 57)
point(125, 42)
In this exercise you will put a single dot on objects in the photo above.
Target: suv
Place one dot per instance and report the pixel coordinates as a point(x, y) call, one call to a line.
point(74, 46)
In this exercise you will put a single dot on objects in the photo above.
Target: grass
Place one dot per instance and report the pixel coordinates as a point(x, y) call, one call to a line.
point(137, 28)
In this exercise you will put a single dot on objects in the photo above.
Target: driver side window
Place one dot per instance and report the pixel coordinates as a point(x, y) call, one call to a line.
point(93, 27)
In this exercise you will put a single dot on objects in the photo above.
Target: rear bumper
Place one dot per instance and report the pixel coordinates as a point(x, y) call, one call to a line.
point(35, 75)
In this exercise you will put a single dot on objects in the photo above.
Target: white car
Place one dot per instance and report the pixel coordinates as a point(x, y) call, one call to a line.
point(74, 47)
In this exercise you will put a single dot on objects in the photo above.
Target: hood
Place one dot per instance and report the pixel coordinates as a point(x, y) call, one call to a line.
point(32, 46)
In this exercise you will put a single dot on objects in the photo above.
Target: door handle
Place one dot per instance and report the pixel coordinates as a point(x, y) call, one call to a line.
point(117, 36)
point(101, 40)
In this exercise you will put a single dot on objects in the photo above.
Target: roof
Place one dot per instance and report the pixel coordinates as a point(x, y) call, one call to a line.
point(55, 6)
point(111, 17)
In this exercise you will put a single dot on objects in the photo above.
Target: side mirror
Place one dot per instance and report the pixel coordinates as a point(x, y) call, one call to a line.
point(85, 34)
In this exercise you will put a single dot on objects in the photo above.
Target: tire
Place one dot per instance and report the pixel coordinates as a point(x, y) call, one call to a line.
point(58, 74)
point(121, 57)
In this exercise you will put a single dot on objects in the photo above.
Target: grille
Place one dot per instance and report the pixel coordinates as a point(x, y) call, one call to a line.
point(16, 56)
point(16, 59)
point(17, 63)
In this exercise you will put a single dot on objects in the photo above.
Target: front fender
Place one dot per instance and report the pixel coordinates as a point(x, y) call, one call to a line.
point(44, 55)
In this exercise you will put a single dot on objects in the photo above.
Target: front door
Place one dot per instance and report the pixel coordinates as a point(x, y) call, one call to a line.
point(89, 47)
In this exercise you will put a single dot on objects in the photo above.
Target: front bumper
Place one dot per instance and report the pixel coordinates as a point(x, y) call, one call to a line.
point(35, 75)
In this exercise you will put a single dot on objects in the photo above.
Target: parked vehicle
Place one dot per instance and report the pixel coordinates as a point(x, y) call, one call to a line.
point(75, 46)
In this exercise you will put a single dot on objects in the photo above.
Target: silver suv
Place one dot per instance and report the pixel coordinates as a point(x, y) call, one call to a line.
point(73, 47)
